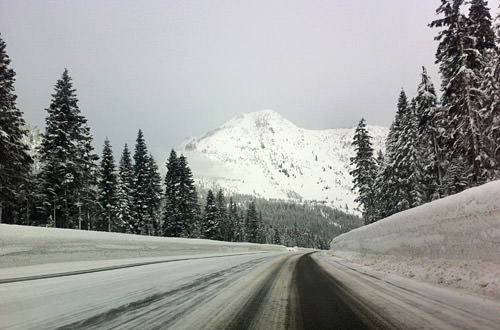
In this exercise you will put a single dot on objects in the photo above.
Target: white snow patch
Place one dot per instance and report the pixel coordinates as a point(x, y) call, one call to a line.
point(28, 246)
point(263, 154)
point(453, 242)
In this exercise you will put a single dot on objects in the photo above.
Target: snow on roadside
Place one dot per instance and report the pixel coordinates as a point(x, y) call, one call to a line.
point(452, 242)
point(28, 246)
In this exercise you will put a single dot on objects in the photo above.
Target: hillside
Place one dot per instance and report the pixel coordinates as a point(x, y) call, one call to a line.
point(265, 155)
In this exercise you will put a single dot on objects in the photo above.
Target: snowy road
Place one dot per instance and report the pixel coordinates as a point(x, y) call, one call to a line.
point(251, 291)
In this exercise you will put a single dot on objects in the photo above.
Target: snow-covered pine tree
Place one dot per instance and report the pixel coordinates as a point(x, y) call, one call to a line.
point(66, 153)
point(87, 176)
point(480, 24)
point(124, 199)
point(107, 191)
point(140, 188)
point(14, 157)
point(431, 130)
point(401, 156)
point(494, 105)
point(222, 218)
point(459, 62)
point(379, 198)
point(233, 221)
point(252, 224)
point(154, 194)
point(172, 225)
point(364, 171)
point(187, 201)
point(388, 185)
point(210, 225)
point(414, 158)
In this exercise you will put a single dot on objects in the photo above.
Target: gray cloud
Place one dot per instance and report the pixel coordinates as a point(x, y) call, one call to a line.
point(180, 68)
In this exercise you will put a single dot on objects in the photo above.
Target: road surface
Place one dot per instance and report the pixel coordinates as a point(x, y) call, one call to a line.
point(248, 291)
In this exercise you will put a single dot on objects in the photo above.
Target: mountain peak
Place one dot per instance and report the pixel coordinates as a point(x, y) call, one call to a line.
point(263, 119)
point(263, 154)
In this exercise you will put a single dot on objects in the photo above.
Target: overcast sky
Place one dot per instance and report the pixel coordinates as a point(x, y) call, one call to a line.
point(178, 69)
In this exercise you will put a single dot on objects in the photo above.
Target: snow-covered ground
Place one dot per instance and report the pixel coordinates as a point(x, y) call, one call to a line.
point(27, 247)
point(452, 242)
point(263, 154)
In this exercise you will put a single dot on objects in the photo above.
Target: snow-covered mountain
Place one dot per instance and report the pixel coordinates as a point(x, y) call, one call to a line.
point(265, 155)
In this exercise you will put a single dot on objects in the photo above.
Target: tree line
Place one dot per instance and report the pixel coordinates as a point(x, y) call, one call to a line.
point(439, 146)
point(70, 189)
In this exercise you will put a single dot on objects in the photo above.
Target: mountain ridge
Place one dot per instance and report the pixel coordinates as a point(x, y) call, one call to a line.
point(264, 154)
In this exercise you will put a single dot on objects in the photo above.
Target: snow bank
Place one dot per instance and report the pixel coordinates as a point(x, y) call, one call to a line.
point(454, 241)
point(25, 245)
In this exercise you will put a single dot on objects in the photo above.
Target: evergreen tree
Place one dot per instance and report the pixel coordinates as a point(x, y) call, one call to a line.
point(364, 171)
point(210, 225)
point(459, 63)
point(68, 168)
point(490, 87)
point(124, 198)
point(153, 189)
point(237, 223)
point(252, 224)
point(14, 157)
point(172, 224)
point(431, 131)
point(222, 218)
point(187, 203)
point(140, 188)
point(181, 203)
point(107, 190)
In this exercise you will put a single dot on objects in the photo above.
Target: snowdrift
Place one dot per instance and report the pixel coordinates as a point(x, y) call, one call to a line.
point(463, 226)
point(25, 245)
point(452, 242)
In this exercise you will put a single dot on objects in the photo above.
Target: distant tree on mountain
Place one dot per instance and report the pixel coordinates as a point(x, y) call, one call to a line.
point(107, 191)
point(364, 171)
point(15, 161)
point(68, 163)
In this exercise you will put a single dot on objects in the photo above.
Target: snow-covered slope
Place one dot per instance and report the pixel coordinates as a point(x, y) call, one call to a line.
point(453, 241)
point(265, 155)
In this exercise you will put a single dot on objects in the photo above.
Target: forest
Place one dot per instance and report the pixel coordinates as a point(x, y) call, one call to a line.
point(439, 146)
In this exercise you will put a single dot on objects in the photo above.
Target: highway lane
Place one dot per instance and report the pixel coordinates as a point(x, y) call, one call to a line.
point(259, 291)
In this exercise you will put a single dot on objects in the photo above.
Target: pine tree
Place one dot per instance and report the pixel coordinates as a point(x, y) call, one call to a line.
point(493, 106)
point(180, 213)
point(154, 192)
point(431, 132)
point(187, 203)
point(237, 222)
point(364, 171)
point(68, 168)
point(252, 224)
point(14, 157)
point(107, 190)
point(489, 51)
point(172, 225)
point(140, 188)
point(124, 198)
point(459, 62)
point(222, 218)
point(210, 225)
